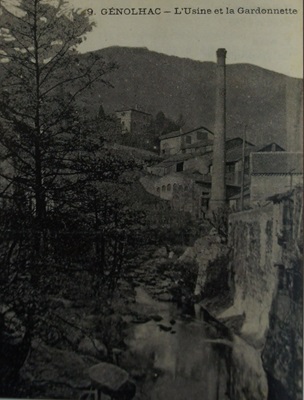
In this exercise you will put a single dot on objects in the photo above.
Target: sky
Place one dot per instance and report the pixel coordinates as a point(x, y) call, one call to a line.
point(273, 42)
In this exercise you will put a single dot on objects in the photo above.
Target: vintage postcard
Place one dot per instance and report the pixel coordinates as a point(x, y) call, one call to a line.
point(151, 199)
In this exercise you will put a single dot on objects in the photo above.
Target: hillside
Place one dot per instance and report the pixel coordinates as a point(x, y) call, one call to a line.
point(154, 82)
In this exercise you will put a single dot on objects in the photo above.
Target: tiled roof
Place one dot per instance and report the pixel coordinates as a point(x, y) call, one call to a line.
point(200, 143)
point(171, 134)
point(133, 151)
point(192, 174)
point(277, 163)
point(236, 153)
point(182, 133)
point(200, 127)
point(238, 195)
point(238, 138)
point(174, 159)
point(133, 110)
point(263, 146)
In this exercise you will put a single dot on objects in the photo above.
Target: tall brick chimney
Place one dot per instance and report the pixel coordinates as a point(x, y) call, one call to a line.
point(218, 186)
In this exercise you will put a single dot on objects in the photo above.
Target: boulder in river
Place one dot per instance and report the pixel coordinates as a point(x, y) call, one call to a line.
point(156, 317)
point(164, 327)
point(165, 297)
point(112, 380)
point(92, 347)
point(56, 373)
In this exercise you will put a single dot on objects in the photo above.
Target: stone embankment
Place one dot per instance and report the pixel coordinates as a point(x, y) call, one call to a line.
point(212, 284)
point(259, 274)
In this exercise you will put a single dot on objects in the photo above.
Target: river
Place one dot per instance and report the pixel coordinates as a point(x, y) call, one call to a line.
point(185, 357)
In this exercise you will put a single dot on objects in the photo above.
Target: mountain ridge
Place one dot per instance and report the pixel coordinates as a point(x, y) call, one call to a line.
point(267, 103)
point(144, 48)
point(256, 97)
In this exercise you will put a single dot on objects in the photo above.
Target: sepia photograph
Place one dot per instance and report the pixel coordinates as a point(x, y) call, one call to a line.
point(151, 199)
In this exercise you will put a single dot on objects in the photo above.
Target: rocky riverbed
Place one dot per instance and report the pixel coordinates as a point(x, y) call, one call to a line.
point(168, 346)
point(59, 368)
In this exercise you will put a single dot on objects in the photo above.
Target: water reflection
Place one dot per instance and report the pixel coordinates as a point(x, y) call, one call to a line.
point(194, 358)
point(181, 363)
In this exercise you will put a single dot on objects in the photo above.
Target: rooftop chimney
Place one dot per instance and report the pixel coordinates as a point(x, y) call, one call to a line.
point(218, 188)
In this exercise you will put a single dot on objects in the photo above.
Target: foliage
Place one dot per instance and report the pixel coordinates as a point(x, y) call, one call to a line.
point(110, 331)
point(172, 227)
point(163, 124)
point(217, 220)
point(41, 128)
point(189, 271)
point(72, 220)
point(110, 128)
point(66, 229)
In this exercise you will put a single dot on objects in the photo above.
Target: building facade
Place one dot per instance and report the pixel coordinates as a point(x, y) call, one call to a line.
point(274, 172)
point(134, 121)
point(175, 142)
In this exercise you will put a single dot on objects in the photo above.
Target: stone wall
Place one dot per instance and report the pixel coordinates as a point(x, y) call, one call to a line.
point(206, 251)
point(199, 163)
point(266, 272)
point(133, 121)
point(170, 146)
point(252, 240)
point(264, 304)
point(283, 351)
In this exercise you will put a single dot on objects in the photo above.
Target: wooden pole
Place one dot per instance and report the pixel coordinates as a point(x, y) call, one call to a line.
point(243, 170)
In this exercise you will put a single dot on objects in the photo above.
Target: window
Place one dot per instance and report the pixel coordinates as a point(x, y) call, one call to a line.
point(179, 167)
point(158, 189)
point(163, 188)
point(200, 136)
point(165, 148)
point(169, 187)
point(204, 202)
point(188, 139)
point(230, 167)
point(174, 187)
point(180, 188)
